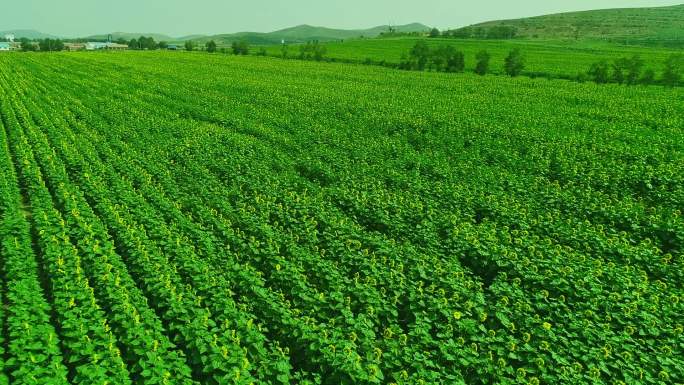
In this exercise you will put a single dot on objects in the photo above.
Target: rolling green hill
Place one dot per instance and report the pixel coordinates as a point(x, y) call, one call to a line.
point(658, 25)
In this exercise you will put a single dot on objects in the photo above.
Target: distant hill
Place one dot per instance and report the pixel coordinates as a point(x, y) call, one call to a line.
point(298, 34)
point(655, 25)
point(27, 33)
point(304, 33)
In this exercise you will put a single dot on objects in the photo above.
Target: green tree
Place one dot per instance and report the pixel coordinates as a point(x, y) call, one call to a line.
point(406, 62)
point(455, 61)
point(44, 45)
point(240, 48)
point(671, 76)
point(49, 45)
point(482, 65)
point(319, 51)
point(501, 32)
point(211, 46)
point(147, 43)
point(133, 44)
point(620, 67)
point(648, 77)
point(304, 51)
point(514, 63)
point(438, 59)
point(434, 32)
point(462, 33)
point(163, 45)
point(284, 51)
point(448, 59)
point(312, 51)
point(419, 55)
point(189, 45)
point(634, 67)
point(598, 72)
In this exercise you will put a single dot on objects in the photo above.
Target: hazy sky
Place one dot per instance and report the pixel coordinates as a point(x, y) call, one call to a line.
point(71, 18)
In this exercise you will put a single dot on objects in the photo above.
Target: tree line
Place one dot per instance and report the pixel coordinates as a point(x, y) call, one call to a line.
point(448, 59)
point(626, 70)
point(312, 50)
point(498, 32)
point(631, 71)
point(43, 45)
point(144, 43)
point(237, 47)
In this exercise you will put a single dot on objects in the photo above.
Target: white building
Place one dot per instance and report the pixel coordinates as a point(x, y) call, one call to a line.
point(97, 46)
point(5, 46)
point(9, 37)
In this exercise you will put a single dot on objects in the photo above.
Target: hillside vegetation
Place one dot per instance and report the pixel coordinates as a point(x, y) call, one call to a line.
point(658, 25)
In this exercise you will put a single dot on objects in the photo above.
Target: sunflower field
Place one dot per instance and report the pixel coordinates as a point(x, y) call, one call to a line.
point(177, 218)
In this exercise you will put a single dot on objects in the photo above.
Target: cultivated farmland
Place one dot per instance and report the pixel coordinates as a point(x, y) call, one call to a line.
point(552, 58)
point(171, 218)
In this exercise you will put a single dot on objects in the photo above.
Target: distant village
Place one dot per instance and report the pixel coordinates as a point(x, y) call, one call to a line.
point(11, 43)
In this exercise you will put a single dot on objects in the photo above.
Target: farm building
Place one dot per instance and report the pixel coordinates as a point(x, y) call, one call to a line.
point(74, 46)
point(98, 46)
point(173, 47)
point(5, 46)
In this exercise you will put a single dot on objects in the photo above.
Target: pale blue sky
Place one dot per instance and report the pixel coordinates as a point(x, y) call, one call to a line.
point(71, 18)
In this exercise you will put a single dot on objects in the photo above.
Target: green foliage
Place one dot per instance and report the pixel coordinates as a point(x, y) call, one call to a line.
point(634, 69)
point(143, 43)
point(497, 32)
point(482, 66)
point(189, 45)
point(48, 45)
point(514, 63)
point(312, 51)
point(240, 48)
point(27, 45)
point(672, 70)
point(442, 59)
point(599, 72)
point(630, 71)
point(451, 59)
point(419, 55)
point(648, 77)
point(211, 46)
